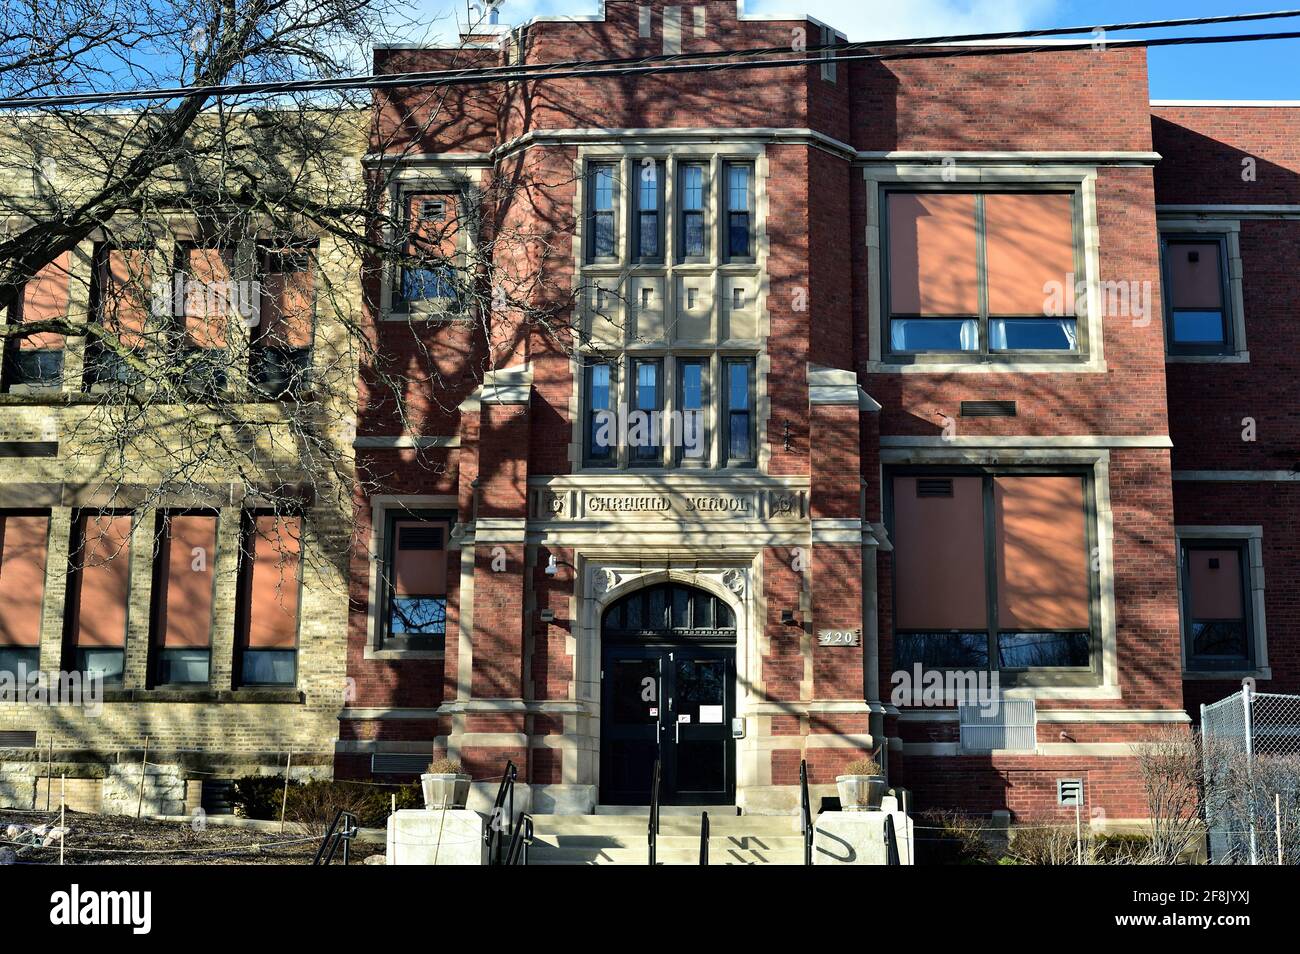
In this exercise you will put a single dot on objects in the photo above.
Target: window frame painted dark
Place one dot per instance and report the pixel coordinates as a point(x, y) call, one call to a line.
point(71, 655)
point(593, 214)
point(429, 642)
point(984, 354)
point(705, 254)
point(680, 457)
point(157, 596)
point(1194, 662)
point(298, 359)
point(751, 411)
point(244, 596)
point(1083, 676)
point(589, 413)
point(750, 255)
point(635, 361)
point(639, 256)
point(1227, 316)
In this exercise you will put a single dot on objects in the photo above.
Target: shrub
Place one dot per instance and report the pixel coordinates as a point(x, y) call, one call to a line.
point(1047, 844)
point(444, 766)
point(1121, 849)
point(258, 796)
point(951, 838)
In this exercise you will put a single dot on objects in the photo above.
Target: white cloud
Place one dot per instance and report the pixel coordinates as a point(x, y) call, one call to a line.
point(880, 20)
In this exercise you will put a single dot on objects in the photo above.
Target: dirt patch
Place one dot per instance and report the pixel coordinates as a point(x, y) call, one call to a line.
point(115, 839)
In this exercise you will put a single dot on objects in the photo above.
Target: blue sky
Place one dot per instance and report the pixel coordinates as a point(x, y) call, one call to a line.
point(1265, 70)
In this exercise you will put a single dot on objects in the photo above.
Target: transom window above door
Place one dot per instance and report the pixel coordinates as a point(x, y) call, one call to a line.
point(669, 609)
point(982, 273)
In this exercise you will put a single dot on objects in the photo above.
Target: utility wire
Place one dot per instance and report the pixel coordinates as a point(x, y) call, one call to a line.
point(688, 62)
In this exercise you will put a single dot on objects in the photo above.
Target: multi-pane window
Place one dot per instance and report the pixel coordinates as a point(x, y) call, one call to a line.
point(1197, 315)
point(23, 546)
point(1216, 587)
point(204, 302)
point(99, 591)
point(740, 200)
point(694, 229)
point(692, 402)
point(415, 610)
point(268, 603)
point(181, 637)
point(37, 360)
point(649, 212)
point(992, 571)
point(739, 410)
point(601, 233)
point(644, 433)
point(428, 278)
point(981, 272)
point(602, 433)
point(666, 409)
point(281, 352)
point(121, 298)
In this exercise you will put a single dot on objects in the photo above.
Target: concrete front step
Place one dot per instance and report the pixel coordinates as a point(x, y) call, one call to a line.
point(592, 840)
point(718, 855)
point(668, 824)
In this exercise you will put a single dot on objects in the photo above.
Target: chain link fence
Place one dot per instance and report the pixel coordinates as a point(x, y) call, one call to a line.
point(1251, 748)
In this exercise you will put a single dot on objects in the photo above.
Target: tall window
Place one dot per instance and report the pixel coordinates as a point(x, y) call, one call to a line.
point(100, 588)
point(37, 360)
point(281, 355)
point(1197, 316)
point(739, 411)
point(428, 279)
point(415, 615)
point(121, 296)
point(602, 434)
point(644, 432)
point(206, 299)
point(692, 402)
point(992, 570)
point(181, 637)
point(1217, 629)
point(268, 604)
point(973, 272)
point(740, 199)
point(649, 212)
point(694, 230)
point(23, 546)
point(600, 215)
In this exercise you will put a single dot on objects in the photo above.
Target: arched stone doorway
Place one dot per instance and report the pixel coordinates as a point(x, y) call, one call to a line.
point(668, 693)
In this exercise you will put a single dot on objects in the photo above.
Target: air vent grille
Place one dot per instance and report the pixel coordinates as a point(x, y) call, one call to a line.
point(1010, 724)
point(988, 408)
point(398, 763)
point(1069, 791)
point(17, 739)
point(934, 486)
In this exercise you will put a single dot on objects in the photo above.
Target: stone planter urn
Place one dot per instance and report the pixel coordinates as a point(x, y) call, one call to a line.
point(447, 790)
point(860, 793)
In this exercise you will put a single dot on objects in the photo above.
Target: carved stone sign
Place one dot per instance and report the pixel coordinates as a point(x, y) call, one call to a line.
point(838, 637)
point(677, 504)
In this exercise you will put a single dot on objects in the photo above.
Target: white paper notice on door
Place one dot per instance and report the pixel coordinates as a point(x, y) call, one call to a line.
point(710, 715)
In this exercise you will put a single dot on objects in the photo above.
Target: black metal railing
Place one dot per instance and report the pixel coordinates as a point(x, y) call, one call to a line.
point(501, 829)
point(805, 813)
point(704, 838)
point(336, 836)
point(891, 841)
point(652, 832)
point(517, 853)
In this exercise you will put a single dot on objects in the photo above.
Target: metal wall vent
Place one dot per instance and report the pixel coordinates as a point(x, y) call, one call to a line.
point(398, 763)
point(988, 408)
point(1011, 724)
point(934, 486)
point(1069, 791)
point(17, 739)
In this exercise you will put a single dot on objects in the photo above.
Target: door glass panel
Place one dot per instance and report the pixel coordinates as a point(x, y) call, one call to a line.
point(635, 692)
point(700, 682)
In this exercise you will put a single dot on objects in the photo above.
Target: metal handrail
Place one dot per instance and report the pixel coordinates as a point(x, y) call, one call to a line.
point(333, 837)
point(704, 838)
point(652, 833)
point(805, 812)
point(891, 842)
point(517, 853)
point(502, 807)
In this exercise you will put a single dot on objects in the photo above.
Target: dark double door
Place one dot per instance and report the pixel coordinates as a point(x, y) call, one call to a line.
point(673, 702)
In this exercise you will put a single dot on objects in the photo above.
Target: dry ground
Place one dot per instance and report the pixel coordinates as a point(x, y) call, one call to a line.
point(115, 839)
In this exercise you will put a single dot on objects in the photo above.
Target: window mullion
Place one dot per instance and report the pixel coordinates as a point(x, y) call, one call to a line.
point(982, 275)
point(991, 573)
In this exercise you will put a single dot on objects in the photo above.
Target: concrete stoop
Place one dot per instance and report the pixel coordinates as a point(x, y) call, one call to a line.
point(620, 839)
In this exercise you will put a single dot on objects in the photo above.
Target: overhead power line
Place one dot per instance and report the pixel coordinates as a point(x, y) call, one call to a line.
point(692, 62)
